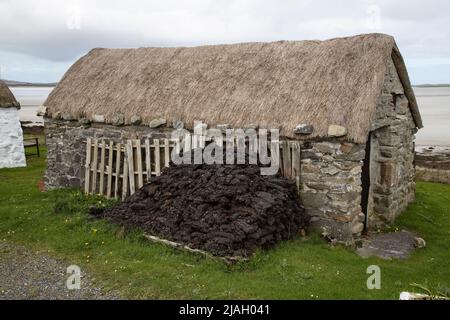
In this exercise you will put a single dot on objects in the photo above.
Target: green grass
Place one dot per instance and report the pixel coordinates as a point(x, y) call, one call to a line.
point(56, 223)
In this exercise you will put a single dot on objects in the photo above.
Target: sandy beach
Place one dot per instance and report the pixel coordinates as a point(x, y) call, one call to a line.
point(30, 99)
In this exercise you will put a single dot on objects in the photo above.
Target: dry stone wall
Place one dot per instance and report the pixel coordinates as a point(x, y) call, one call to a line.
point(392, 169)
point(66, 143)
point(433, 164)
point(331, 187)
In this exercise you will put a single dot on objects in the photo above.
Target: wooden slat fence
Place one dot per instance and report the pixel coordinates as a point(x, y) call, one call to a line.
point(117, 170)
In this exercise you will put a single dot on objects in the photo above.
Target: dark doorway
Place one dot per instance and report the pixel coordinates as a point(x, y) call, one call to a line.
point(365, 181)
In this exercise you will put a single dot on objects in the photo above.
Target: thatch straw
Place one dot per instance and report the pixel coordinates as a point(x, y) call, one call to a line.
point(280, 84)
point(7, 99)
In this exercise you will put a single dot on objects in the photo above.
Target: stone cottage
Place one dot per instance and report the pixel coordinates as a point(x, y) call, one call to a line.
point(12, 152)
point(348, 101)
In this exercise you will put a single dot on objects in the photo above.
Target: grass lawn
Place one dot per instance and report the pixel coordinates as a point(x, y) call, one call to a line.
point(56, 223)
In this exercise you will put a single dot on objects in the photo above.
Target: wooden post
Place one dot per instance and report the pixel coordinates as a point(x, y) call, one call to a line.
point(110, 173)
point(182, 247)
point(187, 142)
point(253, 150)
point(240, 143)
point(157, 157)
point(194, 141)
point(125, 177)
point(230, 149)
point(94, 167)
point(148, 164)
point(275, 151)
point(118, 160)
point(102, 168)
point(166, 153)
point(287, 163)
point(87, 171)
point(203, 140)
point(131, 166)
point(296, 163)
point(139, 163)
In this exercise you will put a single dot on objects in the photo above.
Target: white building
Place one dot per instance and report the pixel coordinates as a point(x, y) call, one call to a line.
point(12, 153)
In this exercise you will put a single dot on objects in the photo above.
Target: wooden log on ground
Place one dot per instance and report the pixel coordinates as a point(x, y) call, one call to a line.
point(182, 247)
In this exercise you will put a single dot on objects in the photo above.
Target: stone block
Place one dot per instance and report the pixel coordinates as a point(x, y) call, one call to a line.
point(326, 147)
point(310, 168)
point(313, 200)
point(388, 173)
point(304, 129)
point(346, 147)
point(84, 121)
point(136, 120)
point(309, 154)
point(156, 123)
point(118, 119)
point(67, 116)
point(98, 118)
point(357, 228)
point(336, 131)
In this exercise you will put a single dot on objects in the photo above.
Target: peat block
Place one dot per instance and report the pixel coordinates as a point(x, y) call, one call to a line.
point(228, 210)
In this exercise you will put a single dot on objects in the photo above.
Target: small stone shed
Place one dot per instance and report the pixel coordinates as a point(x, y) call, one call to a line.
point(12, 152)
point(348, 101)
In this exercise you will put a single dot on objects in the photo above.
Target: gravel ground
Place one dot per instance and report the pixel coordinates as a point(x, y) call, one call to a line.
point(25, 274)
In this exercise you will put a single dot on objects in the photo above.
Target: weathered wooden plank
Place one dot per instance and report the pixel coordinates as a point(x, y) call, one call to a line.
point(130, 158)
point(230, 149)
point(148, 163)
point(195, 141)
point(109, 169)
point(166, 153)
point(202, 141)
point(140, 173)
point(187, 142)
point(240, 143)
point(94, 167)
point(102, 168)
point(275, 151)
point(182, 247)
point(118, 164)
point(253, 150)
point(287, 163)
point(125, 177)
point(296, 163)
point(157, 157)
point(87, 172)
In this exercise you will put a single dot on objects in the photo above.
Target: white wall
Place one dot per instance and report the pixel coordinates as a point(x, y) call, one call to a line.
point(11, 139)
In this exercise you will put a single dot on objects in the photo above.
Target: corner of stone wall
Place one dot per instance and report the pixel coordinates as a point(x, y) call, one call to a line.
point(331, 189)
point(66, 148)
point(393, 130)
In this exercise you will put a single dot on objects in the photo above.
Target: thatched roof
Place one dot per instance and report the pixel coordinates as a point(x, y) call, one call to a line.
point(282, 84)
point(7, 99)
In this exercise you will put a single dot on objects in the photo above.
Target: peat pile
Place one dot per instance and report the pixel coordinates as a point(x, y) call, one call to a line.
point(228, 210)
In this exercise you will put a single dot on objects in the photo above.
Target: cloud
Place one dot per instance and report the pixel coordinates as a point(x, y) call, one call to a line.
point(56, 33)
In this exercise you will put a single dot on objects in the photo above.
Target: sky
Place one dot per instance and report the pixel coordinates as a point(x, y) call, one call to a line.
point(41, 39)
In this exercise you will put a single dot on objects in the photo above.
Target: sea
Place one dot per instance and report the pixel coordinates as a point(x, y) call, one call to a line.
point(434, 105)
